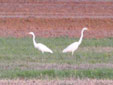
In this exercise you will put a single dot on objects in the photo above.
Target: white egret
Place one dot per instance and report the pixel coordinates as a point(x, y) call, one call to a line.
point(43, 48)
point(74, 46)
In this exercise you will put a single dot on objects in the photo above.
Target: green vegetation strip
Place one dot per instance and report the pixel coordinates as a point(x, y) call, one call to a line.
point(20, 53)
point(90, 50)
point(50, 74)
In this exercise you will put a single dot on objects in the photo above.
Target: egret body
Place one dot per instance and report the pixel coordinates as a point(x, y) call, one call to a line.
point(74, 46)
point(43, 48)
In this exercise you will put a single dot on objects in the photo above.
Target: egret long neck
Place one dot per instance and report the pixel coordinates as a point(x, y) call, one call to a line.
point(80, 40)
point(34, 39)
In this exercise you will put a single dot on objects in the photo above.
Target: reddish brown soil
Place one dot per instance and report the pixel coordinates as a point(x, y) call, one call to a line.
point(17, 27)
point(56, 18)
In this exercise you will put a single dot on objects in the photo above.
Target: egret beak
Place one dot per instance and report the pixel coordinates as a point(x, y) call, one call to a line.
point(29, 33)
point(87, 29)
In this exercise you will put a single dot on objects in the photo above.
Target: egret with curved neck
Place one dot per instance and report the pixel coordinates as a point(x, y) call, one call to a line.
point(43, 48)
point(74, 46)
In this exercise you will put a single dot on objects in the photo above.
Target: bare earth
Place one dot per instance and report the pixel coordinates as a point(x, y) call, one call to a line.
point(54, 18)
point(57, 82)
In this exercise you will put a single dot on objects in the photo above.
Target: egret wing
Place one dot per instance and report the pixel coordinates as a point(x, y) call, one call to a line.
point(44, 48)
point(70, 48)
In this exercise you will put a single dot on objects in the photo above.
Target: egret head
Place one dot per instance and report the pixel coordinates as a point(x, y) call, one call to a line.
point(85, 28)
point(31, 33)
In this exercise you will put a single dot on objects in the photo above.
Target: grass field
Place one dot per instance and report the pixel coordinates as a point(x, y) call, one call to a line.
point(19, 59)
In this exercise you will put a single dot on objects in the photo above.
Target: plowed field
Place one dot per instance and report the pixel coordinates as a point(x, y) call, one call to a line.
point(56, 18)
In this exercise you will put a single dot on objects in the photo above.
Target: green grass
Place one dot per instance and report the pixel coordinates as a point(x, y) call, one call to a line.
point(53, 74)
point(19, 51)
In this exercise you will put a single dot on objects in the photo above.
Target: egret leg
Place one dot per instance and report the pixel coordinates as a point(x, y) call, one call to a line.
point(72, 53)
point(42, 57)
point(42, 52)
